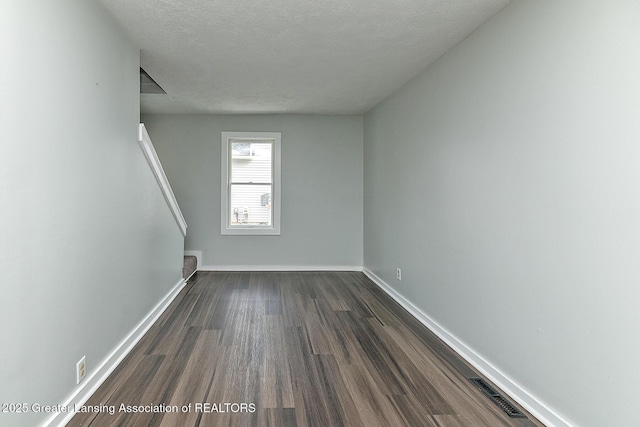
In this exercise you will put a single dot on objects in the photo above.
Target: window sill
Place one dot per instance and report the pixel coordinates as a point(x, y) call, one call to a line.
point(250, 231)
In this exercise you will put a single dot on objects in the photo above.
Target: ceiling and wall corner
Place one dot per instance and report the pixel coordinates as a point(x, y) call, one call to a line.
point(289, 56)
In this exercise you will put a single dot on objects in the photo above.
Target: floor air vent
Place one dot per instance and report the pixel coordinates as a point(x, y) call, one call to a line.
point(497, 398)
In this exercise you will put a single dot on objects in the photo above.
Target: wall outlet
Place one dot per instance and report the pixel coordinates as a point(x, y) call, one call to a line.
point(398, 274)
point(81, 369)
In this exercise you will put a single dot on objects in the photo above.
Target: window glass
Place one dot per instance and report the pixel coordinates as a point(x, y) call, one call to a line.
point(250, 178)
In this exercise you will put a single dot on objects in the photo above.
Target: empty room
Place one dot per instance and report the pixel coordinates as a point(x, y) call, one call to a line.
point(320, 213)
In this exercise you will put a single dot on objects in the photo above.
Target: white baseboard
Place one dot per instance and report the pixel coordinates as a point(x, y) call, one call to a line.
point(80, 396)
point(537, 408)
point(197, 254)
point(191, 275)
point(280, 268)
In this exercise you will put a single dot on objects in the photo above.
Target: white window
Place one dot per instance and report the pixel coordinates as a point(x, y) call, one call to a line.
point(250, 183)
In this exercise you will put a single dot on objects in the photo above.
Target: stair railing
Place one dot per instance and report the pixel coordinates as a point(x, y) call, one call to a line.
point(161, 178)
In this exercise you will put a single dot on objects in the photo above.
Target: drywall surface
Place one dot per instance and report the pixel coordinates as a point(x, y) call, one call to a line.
point(321, 219)
point(504, 181)
point(88, 245)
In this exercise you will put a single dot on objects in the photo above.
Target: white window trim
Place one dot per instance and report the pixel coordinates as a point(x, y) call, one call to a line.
point(255, 230)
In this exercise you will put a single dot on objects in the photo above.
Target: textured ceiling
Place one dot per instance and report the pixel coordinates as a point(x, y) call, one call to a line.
point(289, 56)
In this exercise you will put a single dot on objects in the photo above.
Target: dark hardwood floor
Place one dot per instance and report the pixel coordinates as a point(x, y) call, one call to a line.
point(290, 349)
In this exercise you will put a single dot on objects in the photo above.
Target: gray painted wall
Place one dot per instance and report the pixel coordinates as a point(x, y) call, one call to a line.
point(504, 181)
point(321, 187)
point(88, 246)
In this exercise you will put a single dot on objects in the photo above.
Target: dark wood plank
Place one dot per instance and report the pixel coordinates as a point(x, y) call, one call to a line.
point(296, 349)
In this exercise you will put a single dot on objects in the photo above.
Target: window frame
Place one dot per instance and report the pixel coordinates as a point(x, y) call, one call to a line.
point(225, 203)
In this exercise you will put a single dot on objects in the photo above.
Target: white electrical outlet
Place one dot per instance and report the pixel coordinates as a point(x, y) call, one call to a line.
point(398, 274)
point(81, 369)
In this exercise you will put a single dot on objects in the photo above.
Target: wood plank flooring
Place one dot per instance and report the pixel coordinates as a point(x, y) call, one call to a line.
point(290, 349)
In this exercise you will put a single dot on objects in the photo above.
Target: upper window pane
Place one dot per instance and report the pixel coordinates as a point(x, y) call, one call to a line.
point(251, 162)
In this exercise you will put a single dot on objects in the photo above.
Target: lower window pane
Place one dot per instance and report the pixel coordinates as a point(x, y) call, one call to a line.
point(251, 205)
